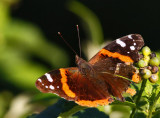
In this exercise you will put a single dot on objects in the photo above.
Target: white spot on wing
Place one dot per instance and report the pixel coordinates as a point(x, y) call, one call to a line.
point(121, 43)
point(39, 80)
point(134, 43)
point(51, 87)
point(132, 47)
point(128, 52)
point(57, 86)
point(49, 78)
point(46, 86)
point(130, 36)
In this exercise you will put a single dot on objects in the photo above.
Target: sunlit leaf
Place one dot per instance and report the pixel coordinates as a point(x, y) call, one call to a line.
point(5, 99)
point(126, 103)
point(28, 38)
point(89, 18)
point(143, 104)
point(148, 89)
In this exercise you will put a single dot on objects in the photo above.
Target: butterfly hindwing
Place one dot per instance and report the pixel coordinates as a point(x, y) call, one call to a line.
point(114, 62)
point(115, 75)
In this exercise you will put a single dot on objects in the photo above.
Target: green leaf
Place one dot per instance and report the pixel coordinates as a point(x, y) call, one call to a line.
point(90, 113)
point(90, 19)
point(32, 116)
point(119, 110)
point(140, 115)
point(26, 72)
point(126, 103)
point(28, 38)
point(4, 14)
point(51, 112)
point(5, 100)
point(156, 114)
point(62, 108)
point(47, 97)
point(68, 109)
point(22, 45)
point(157, 89)
point(157, 107)
point(143, 104)
point(148, 89)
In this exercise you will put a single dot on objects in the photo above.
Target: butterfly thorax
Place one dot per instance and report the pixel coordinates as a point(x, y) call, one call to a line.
point(84, 67)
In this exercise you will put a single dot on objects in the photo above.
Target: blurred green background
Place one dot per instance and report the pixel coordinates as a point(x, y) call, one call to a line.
point(30, 45)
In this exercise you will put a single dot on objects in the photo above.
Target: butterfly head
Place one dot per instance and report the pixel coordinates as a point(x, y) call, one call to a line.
point(84, 67)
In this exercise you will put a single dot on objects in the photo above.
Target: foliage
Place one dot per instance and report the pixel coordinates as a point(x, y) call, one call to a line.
point(22, 44)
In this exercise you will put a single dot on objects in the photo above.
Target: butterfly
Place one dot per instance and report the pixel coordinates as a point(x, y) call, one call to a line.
point(101, 79)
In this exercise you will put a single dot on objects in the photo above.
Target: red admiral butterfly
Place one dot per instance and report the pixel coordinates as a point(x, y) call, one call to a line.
point(100, 79)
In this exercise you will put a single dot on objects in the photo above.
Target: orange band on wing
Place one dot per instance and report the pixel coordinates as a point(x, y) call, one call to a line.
point(136, 78)
point(94, 103)
point(132, 92)
point(116, 55)
point(65, 86)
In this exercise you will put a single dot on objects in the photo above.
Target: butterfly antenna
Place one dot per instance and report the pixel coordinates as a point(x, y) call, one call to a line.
point(79, 40)
point(67, 43)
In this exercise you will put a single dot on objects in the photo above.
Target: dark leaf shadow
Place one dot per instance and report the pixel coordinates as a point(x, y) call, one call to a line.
point(69, 109)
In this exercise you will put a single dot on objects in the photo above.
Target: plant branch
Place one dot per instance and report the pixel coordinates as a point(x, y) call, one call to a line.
point(138, 98)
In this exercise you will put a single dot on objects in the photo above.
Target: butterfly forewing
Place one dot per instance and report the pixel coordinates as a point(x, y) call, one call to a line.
point(71, 85)
point(124, 49)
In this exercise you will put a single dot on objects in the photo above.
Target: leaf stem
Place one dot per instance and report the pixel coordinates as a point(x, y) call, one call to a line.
point(143, 85)
point(153, 105)
point(71, 111)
